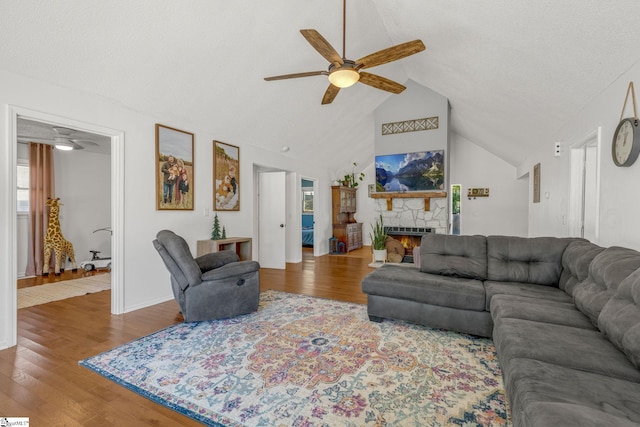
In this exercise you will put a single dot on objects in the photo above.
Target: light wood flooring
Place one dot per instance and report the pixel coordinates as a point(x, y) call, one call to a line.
point(40, 377)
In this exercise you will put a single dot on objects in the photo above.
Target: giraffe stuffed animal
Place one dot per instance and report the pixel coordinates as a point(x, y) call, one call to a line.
point(54, 240)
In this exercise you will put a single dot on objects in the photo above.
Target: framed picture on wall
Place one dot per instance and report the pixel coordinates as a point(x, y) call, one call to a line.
point(226, 177)
point(536, 183)
point(421, 171)
point(174, 169)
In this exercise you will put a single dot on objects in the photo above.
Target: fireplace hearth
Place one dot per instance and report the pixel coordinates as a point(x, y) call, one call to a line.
point(409, 237)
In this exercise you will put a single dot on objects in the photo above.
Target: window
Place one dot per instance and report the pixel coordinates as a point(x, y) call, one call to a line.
point(307, 201)
point(23, 189)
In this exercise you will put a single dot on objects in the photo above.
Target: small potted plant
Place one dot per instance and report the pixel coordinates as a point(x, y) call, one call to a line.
point(378, 239)
point(351, 179)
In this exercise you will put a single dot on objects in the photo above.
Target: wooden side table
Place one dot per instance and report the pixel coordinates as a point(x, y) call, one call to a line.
point(241, 246)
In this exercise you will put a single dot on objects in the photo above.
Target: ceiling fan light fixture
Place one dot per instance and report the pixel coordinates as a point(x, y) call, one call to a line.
point(63, 144)
point(344, 77)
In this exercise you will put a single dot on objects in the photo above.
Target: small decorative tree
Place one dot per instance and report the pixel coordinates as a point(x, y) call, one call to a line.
point(215, 232)
point(224, 233)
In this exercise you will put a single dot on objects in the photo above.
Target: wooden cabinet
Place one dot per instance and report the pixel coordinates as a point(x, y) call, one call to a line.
point(241, 246)
point(349, 234)
point(343, 209)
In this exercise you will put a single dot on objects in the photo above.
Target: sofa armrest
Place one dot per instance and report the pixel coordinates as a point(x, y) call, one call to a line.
point(214, 260)
point(233, 269)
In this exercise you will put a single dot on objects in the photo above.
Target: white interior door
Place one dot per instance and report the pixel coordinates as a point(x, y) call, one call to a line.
point(584, 203)
point(272, 214)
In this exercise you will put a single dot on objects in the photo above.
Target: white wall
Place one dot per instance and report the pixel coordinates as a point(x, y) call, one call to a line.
point(504, 212)
point(146, 280)
point(83, 184)
point(619, 205)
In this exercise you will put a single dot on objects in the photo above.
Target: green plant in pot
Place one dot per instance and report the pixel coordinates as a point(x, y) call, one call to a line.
point(378, 239)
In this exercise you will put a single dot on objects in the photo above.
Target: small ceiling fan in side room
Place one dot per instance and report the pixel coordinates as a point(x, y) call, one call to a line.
point(343, 72)
point(62, 139)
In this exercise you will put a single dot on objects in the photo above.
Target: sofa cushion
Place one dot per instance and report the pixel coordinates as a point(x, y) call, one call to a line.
point(411, 284)
point(576, 348)
point(538, 310)
point(523, 290)
point(607, 270)
point(457, 256)
point(620, 318)
point(528, 260)
point(575, 263)
point(544, 394)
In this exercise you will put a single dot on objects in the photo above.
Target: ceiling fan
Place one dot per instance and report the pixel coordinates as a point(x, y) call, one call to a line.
point(343, 72)
point(62, 139)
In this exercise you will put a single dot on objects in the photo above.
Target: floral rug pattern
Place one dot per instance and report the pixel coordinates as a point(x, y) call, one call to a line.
point(304, 361)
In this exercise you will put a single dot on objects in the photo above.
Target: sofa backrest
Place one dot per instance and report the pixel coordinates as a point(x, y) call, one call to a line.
point(575, 263)
point(620, 318)
point(536, 260)
point(458, 256)
point(607, 270)
point(176, 255)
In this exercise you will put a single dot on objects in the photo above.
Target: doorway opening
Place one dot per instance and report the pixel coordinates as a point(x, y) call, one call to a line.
point(8, 265)
point(584, 205)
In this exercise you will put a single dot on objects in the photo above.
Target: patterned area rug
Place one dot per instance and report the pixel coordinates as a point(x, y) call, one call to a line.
point(42, 294)
point(304, 361)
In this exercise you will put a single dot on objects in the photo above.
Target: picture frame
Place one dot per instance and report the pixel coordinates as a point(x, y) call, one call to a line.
point(536, 183)
point(174, 169)
point(410, 172)
point(226, 177)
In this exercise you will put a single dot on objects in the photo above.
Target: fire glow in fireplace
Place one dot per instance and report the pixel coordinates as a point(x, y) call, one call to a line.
point(409, 237)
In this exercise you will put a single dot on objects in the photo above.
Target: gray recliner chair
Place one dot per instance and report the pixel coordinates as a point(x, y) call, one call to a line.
point(214, 286)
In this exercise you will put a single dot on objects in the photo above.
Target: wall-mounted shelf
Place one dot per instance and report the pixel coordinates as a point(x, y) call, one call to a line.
point(426, 195)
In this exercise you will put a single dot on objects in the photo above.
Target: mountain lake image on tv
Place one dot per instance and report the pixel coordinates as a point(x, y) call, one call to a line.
point(421, 171)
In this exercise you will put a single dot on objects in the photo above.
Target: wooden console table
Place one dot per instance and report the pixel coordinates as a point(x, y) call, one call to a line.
point(241, 246)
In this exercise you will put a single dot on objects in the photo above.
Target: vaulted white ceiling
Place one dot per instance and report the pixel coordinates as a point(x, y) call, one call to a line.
point(514, 71)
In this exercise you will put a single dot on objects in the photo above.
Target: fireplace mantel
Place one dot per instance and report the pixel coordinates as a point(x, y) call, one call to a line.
point(426, 195)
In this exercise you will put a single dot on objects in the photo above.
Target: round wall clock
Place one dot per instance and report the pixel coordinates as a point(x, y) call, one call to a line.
point(625, 146)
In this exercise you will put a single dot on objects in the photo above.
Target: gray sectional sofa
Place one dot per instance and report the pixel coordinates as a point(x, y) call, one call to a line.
point(564, 315)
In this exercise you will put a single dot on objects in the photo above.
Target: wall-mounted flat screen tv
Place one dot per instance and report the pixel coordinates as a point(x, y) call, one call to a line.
point(421, 171)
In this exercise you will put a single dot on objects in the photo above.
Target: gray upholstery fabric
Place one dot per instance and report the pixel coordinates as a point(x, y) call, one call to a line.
point(409, 283)
point(523, 290)
point(576, 348)
point(575, 263)
point(544, 394)
point(213, 260)
point(176, 273)
point(620, 318)
point(455, 319)
point(457, 256)
point(178, 249)
point(606, 271)
point(527, 260)
point(230, 289)
point(538, 310)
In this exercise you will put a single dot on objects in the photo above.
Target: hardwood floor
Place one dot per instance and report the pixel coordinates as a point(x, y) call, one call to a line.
point(40, 377)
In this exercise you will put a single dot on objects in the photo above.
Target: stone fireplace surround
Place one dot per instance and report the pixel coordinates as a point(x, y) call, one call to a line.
point(409, 214)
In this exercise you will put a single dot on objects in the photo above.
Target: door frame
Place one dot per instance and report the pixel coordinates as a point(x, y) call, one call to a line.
point(8, 266)
point(576, 182)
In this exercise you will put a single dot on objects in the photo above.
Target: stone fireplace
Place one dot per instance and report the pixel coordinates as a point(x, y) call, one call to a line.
point(409, 237)
point(408, 220)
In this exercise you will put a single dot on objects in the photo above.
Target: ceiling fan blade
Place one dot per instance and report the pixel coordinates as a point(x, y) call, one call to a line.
point(296, 75)
point(390, 54)
point(381, 83)
point(83, 142)
point(330, 94)
point(323, 47)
